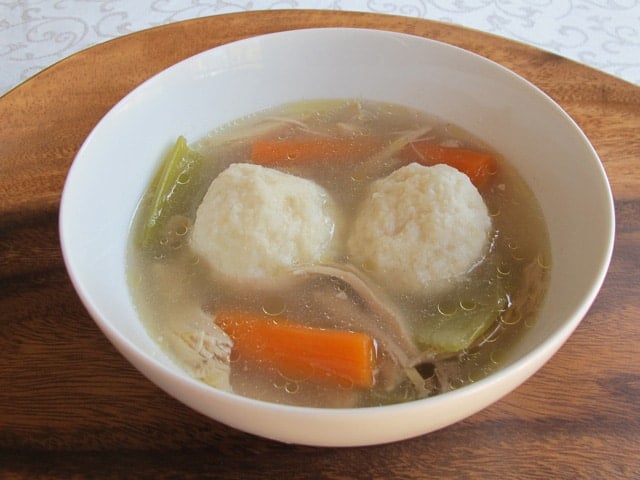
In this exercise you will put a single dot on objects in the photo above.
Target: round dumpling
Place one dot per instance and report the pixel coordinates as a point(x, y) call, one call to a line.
point(255, 222)
point(419, 228)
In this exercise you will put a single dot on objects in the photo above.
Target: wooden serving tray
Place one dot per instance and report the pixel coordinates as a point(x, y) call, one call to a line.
point(71, 406)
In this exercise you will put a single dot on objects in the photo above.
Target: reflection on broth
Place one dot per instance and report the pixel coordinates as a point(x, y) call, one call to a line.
point(338, 253)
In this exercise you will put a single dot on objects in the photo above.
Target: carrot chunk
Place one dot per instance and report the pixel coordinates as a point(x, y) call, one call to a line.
point(478, 166)
point(290, 152)
point(299, 352)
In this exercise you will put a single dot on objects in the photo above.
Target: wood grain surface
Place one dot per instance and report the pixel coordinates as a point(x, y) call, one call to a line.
point(72, 407)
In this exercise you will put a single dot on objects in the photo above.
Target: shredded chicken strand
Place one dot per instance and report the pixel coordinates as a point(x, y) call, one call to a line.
point(396, 337)
point(206, 354)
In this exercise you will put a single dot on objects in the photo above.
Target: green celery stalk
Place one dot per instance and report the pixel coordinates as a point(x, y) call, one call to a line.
point(178, 166)
point(470, 315)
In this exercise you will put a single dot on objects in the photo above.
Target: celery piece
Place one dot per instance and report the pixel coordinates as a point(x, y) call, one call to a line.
point(456, 332)
point(459, 320)
point(174, 173)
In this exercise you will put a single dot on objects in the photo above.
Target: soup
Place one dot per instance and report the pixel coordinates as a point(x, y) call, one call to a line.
point(338, 253)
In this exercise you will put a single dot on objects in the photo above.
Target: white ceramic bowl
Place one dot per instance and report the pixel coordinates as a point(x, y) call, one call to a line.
point(115, 164)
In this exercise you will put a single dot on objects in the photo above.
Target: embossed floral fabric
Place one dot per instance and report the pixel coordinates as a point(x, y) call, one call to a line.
point(604, 34)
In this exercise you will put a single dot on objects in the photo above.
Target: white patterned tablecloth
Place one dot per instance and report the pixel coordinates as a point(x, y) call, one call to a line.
point(604, 34)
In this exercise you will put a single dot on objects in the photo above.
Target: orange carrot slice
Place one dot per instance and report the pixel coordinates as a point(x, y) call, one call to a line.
point(478, 166)
point(299, 352)
point(289, 152)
